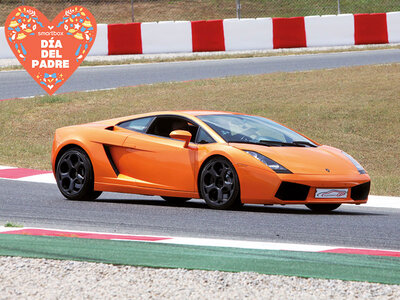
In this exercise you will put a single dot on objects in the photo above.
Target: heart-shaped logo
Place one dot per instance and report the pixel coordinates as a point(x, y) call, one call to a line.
point(50, 52)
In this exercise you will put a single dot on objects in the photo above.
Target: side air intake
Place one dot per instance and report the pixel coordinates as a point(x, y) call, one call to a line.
point(110, 159)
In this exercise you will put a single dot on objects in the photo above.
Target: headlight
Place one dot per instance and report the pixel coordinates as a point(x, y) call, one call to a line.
point(360, 169)
point(269, 162)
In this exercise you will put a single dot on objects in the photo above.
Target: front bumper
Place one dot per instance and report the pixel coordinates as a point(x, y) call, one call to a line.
point(289, 191)
point(302, 188)
point(260, 187)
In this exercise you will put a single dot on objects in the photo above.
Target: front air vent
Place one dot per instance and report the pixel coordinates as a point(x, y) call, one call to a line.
point(292, 191)
point(361, 191)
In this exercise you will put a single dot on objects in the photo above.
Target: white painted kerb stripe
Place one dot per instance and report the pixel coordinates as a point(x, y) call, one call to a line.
point(42, 178)
point(245, 244)
point(383, 201)
point(5, 167)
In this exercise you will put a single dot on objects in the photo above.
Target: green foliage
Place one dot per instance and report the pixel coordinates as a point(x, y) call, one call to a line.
point(10, 224)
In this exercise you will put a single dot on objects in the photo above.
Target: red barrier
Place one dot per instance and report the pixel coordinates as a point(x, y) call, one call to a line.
point(289, 32)
point(208, 36)
point(370, 29)
point(124, 39)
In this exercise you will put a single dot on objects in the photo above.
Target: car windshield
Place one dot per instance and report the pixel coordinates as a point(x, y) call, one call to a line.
point(252, 129)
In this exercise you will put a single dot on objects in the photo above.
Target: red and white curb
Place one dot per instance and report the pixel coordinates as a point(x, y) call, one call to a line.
point(32, 175)
point(199, 241)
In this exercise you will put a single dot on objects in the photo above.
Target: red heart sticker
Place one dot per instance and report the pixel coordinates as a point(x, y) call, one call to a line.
point(50, 52)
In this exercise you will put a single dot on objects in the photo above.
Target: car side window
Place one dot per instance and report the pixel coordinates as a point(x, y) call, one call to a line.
point(164, 125)
point(139, 125)
point(203, 137)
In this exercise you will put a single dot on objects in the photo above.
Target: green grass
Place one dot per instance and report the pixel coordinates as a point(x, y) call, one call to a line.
point(54, 99)
point(10, 224)
point(356, 109)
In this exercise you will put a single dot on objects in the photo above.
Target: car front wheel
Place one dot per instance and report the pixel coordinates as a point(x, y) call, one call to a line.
point(219, 184)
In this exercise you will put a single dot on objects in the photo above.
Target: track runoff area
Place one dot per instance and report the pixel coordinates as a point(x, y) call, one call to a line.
point(303, 260)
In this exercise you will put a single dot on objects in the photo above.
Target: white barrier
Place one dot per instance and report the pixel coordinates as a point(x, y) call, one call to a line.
point(164, 37)
point(329, 30)
point(393, 25)
point(248, 34)
point(100, 46)
point(243, 34)
point(5, 51)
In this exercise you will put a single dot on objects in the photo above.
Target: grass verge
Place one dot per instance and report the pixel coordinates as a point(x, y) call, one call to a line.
point(228, 55)
point(355, 109)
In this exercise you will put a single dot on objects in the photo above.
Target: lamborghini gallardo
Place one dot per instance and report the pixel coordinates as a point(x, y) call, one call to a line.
point(227, 159)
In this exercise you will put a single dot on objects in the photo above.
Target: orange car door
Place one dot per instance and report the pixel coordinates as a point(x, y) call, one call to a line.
point(157, 162)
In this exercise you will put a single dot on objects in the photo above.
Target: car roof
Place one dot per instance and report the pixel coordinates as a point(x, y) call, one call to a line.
point(183, 113)
point(206, 112)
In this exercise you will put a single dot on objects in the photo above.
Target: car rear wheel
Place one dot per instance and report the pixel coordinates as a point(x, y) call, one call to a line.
point(219, 184)
point(322, 207)
point(175, 200)
point(74, 176)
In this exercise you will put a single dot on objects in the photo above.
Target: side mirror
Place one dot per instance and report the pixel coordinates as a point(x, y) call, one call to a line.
point(181, 135)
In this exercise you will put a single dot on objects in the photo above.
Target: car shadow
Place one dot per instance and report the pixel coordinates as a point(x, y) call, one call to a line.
point(276, 209)
point(302, 210)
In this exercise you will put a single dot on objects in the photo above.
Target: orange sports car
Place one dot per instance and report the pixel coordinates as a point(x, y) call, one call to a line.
point(225, 158)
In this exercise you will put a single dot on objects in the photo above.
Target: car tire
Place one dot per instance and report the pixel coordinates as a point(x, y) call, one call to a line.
point(323, 208)
point(219, 184)
point(175, 200)
point(75, 177)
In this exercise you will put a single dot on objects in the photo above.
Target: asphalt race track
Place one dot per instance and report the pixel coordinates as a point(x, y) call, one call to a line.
point(14, 84)
point(41, 205)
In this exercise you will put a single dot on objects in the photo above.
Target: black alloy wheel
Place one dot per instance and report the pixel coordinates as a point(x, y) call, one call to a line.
point(323, 208)
point(74, 176)
point(219, 184)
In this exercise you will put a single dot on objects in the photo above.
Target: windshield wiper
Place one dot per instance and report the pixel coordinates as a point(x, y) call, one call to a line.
point(276, 143)
point(292, 144)
point(305, 143)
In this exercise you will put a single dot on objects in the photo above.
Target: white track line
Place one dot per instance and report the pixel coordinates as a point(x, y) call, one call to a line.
point(383, 201)
point(6, 167)
point(42, 178)
point(246, 244)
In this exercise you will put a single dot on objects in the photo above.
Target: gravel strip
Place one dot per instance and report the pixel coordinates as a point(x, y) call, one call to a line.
point(26, 278)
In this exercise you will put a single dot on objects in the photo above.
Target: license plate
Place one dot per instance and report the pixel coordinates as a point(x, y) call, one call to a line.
point(331, 193)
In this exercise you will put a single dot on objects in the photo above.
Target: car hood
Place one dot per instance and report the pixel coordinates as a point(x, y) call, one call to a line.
point(306, 160)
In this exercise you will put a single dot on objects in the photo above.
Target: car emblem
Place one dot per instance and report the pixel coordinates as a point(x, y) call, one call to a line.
point(327, 170)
